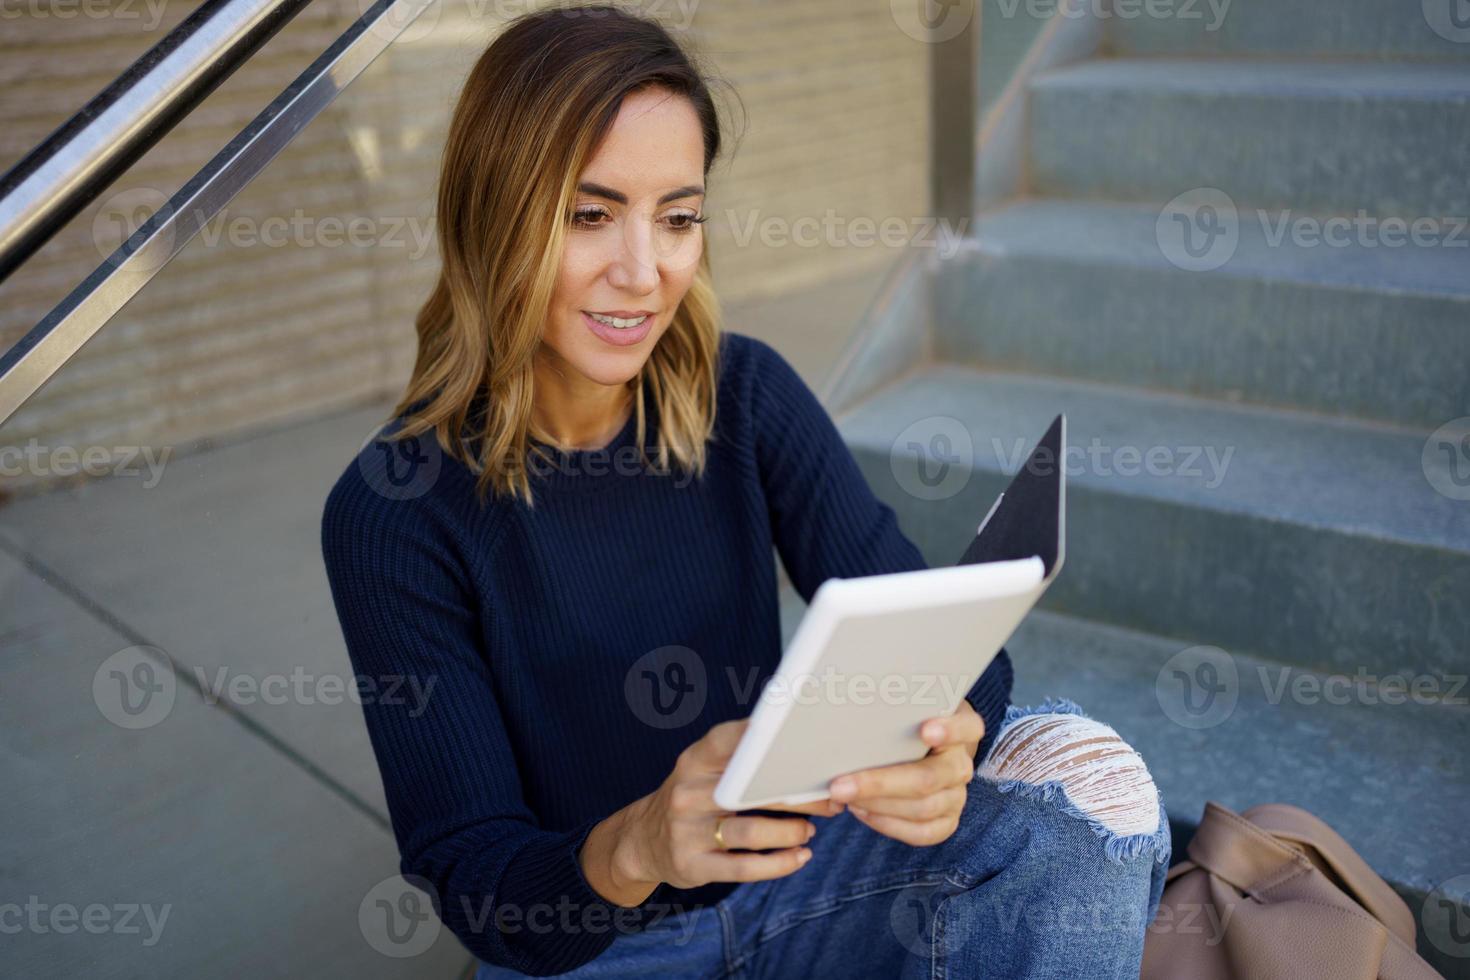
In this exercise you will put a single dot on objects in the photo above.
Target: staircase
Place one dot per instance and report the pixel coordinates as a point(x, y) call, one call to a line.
point(1270, 519)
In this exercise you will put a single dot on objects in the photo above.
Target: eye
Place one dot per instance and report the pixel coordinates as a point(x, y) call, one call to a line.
point(685, 222)
point(585, 217)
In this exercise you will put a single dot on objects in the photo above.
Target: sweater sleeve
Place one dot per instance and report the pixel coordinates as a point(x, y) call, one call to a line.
point(499, 881)
point(826, 520)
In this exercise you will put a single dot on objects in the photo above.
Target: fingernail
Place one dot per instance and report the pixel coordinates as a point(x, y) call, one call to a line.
point(802, 856)
point(843, 787)
point(933, 730)
point(859, 811)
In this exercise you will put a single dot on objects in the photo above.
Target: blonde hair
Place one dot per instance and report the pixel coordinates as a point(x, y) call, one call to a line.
point(530, 116)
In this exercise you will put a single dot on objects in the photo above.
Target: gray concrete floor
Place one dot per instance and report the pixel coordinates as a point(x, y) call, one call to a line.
point(258, 829)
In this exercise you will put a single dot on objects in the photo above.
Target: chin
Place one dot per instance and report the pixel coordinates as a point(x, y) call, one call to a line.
point(607, 365)
point(605, 370)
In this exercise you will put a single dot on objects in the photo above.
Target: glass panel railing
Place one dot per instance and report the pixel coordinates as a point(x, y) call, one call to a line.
point(49, 191)
point(191, 790)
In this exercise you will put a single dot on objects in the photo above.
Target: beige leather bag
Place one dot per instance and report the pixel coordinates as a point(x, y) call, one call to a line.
point(1276, 893)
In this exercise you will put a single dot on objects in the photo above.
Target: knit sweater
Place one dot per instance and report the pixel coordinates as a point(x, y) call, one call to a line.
point(540, 639)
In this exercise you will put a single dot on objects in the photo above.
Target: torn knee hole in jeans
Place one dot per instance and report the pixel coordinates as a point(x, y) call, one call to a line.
point(1101, 775)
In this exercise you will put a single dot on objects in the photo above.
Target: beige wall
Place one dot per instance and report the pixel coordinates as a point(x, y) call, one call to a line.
point(238, 335)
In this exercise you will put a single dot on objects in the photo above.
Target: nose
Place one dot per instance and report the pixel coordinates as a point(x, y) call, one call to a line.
point(635, 268)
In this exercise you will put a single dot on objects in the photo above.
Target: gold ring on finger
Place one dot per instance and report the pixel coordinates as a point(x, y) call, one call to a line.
point(719, 835)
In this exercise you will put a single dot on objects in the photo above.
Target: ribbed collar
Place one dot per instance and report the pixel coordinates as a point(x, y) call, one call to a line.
point(589, 469)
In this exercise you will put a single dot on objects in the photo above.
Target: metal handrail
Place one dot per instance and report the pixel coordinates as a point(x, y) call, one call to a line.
point(38, 355)
point(82, 158)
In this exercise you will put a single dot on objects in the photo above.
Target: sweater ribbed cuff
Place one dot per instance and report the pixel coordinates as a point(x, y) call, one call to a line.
point(990, 696)
point(561, 922)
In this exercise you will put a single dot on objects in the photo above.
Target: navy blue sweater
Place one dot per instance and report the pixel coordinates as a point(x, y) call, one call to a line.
point(544, 632)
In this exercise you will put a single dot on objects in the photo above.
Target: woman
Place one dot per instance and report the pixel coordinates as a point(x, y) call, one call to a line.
point(565, 536)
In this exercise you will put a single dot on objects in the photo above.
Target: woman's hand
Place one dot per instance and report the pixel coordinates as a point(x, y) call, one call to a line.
point(919, 802)
point(669, 835)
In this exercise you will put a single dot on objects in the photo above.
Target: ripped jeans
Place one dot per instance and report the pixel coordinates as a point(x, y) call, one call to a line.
point(1055, 870)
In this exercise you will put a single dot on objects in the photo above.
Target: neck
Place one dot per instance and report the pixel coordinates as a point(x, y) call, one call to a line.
point(573, 413)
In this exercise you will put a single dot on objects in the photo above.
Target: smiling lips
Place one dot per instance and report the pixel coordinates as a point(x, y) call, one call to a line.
point(622, 321)
point(618, 329)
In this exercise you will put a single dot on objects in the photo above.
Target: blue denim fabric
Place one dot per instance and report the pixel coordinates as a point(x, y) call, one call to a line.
point(1027, 886)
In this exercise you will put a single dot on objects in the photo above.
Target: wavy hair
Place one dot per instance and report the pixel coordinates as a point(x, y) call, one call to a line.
point(530, 117)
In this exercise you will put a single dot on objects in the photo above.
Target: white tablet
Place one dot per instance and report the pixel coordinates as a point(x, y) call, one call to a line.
point(875, 657)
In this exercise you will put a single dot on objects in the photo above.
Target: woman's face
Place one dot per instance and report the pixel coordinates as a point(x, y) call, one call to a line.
point(634, 245)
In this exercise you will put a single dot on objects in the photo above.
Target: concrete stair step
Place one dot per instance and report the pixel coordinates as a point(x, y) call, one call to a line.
point(1390, 138)
point(1273, 733)
point(1343, 325)
point(1382, 768)
point(1437, 29)
point(1320, 541)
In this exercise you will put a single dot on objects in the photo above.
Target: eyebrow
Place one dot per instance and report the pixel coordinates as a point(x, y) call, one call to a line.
point(587, 187)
